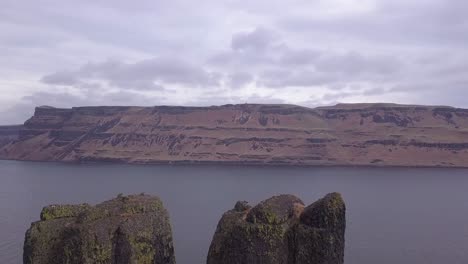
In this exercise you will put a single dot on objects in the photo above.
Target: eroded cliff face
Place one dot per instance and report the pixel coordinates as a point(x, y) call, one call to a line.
point(128, 229)
point(360, 134)
point(280, 230)
point(8, 134)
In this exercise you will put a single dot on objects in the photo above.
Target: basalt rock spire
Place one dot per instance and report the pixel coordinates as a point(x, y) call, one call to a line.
point(280, 230)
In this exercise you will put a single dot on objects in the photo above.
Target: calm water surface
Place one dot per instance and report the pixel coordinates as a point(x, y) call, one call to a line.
point(393, 215)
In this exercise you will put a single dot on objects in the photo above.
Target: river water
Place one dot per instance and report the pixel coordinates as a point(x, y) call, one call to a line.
point(394, 215)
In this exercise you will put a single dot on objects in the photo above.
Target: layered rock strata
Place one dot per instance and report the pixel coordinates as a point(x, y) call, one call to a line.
point(358, 134)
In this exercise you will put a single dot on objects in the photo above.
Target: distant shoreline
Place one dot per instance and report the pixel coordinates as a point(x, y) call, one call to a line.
point(237, 164)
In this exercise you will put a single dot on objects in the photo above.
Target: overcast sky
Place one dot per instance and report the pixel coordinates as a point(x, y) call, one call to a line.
point(211, 52)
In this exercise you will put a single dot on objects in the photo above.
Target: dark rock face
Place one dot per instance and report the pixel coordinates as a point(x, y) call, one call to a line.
point(319, 236)
point(280, 230)
point(127, 229)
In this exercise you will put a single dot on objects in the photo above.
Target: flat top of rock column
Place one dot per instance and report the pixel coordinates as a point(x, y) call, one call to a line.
point(275, 210)
point(323, 212)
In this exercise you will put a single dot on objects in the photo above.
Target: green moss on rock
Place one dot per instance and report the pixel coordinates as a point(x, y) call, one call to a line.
point(61, 211)
point(127, 229)
point(273, 232)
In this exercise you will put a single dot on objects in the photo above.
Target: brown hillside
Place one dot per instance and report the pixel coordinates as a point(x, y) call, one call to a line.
point(358, 134)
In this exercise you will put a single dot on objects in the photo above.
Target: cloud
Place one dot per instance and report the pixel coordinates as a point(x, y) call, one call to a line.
point(150, 74)
point(279, 79)
point(239, 79)
point(24, 109)
point(352, 91)
point(249, 48)
point(313, 52)
point(299, 57)
point(257, 40)
point(356, 63)
point(91, 98)
point(60, 78)
point(410, 23)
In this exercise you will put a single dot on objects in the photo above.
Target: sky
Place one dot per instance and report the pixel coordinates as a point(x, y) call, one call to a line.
point(213, 52)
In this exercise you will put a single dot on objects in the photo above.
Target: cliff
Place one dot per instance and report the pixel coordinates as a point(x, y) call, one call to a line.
point(127, 229)
point(358, 134)
point(280, 230)
point(9, 134)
